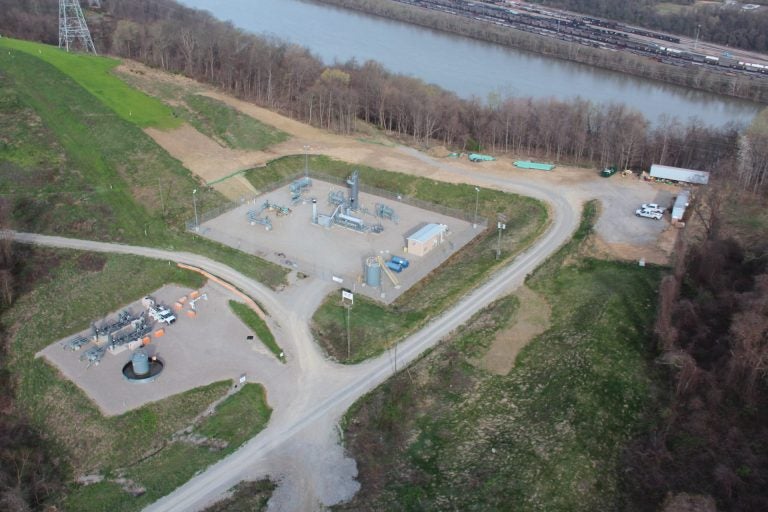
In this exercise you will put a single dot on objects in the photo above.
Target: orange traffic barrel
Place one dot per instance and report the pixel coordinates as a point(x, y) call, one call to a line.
point(159, 333)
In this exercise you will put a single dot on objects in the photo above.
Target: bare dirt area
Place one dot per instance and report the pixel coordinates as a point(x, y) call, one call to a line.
point(531, 319)
point(203, 156)
point(337, 251)
point(621, 234)
point(211, 347)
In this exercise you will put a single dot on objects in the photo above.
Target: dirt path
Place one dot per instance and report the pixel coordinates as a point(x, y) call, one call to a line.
point(531, 319)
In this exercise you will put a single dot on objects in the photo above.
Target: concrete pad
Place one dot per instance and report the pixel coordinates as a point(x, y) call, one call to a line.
point(196, 352)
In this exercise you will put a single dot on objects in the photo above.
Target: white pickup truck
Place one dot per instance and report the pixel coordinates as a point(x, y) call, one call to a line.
point(649, 214)
point(653, 207)
point(158, 312)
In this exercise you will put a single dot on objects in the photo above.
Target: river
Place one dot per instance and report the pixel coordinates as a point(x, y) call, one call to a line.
point(466, 66)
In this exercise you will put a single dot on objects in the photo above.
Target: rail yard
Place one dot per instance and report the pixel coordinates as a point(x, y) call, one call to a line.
point(604, 34)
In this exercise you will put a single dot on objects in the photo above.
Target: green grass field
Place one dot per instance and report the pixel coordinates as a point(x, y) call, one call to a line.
point(228, 126)
point(237, 419)
point(73, 166)
point(94, 74)
point(63, 292)
point(446, 435)
point(374, 327)
point(259, 327)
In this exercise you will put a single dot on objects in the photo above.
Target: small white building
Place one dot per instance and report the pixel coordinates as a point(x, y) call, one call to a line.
point(682, 201)
point(426, 239)
point(665, 172)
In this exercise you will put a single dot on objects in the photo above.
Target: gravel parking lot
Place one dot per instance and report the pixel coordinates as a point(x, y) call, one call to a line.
point(196, 351)
point(620, 198)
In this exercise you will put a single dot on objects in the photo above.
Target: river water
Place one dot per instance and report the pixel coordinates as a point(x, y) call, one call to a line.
point(465, 66)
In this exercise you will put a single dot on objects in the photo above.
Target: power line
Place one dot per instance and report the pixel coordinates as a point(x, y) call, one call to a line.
point(73, 31)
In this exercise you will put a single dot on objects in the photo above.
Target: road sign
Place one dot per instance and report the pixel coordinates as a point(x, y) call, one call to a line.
point(347, 295)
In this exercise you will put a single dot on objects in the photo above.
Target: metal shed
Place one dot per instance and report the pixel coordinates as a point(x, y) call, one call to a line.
point(426, 239)
point(666, 172)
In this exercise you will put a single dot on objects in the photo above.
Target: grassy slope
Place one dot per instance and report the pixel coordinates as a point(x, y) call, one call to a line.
point(373, 326)
point(237, 419)
point(447, 435)
point(94, 75)
point(75, 167)
point(70, 290)
point(228, 126)
point(256, 324)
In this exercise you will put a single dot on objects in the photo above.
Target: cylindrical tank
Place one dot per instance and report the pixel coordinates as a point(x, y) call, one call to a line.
point(140, 362)
point(372, 272)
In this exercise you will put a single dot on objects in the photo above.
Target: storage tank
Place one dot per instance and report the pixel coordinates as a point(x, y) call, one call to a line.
point(401, 261)
point(140, 363)
point(372, 272)
point(391, 265)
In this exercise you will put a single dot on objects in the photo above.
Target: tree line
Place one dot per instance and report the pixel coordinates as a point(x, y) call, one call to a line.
point(696, 77)
point(728, 25)
point(29, 472)
point(710, 438)
point(289, 79)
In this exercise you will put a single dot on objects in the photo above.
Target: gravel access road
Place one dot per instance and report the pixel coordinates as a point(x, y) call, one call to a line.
point(300, 447)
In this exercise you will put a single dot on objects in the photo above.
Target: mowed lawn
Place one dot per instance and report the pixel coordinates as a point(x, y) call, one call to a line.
point(94, 75)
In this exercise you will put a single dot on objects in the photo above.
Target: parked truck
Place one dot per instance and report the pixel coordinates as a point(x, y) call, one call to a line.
point(158, 312)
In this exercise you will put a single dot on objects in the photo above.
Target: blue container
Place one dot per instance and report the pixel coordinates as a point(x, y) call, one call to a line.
point(400, 261)
point(391, 265)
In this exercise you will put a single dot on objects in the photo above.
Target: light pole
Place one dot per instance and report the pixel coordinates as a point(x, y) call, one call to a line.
point(194, 205)
point(306, 160)
point(501, 227)
point(477, 201)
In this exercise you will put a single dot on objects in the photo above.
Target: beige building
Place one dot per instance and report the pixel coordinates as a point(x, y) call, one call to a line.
point(426, 239)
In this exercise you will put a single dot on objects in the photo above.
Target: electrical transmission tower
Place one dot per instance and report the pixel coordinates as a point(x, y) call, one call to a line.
point(73, 32)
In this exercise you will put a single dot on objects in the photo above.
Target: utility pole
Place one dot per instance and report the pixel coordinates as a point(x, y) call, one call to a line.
point(477, 201)
point(501, 226)
point(160, 190)
point(349, 338)
point(348, 300)
point(306, 160)
point(194, 205)
point(696, 41)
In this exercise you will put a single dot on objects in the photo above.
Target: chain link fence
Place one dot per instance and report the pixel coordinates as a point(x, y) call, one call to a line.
point(386, 194)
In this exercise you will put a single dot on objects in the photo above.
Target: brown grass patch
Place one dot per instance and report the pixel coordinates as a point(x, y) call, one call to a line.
point(531, 319)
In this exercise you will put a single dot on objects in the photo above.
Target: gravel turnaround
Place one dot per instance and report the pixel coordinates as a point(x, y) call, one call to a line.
point(300, 447)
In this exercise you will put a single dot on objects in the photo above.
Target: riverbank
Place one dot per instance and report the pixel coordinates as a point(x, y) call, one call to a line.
point(695, 77)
